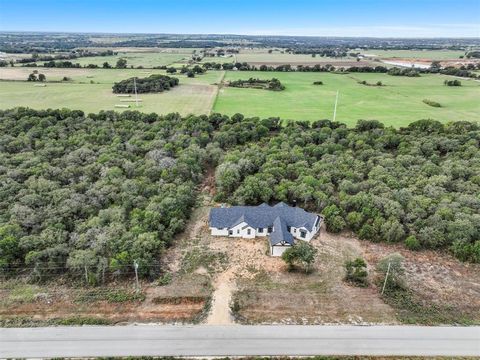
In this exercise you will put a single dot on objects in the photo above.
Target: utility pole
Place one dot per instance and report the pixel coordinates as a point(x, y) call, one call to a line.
point(386, 277)
point(335, 109)
point(135, 266)
point(135, 86)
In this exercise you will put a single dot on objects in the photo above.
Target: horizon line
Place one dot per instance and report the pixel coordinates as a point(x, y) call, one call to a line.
point(234, 34)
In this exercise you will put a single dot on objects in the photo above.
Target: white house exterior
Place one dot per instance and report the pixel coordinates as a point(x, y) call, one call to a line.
point(281, 223)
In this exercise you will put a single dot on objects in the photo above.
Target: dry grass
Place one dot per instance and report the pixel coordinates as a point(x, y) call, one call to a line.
point(315, 298)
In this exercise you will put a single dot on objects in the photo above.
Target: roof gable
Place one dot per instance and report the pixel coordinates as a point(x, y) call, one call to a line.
point(262, 216)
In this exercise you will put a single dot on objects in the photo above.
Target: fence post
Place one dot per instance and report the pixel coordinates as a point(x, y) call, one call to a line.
point(135, 265)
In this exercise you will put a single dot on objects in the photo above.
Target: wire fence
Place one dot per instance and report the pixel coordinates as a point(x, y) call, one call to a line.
point(91, 275)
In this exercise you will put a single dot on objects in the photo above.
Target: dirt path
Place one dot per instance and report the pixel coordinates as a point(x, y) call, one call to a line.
point(220, 311)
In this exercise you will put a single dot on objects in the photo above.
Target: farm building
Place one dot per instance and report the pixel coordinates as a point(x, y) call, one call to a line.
point(281, 223)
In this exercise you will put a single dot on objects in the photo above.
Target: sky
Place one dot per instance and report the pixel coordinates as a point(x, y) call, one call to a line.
point(373, 18)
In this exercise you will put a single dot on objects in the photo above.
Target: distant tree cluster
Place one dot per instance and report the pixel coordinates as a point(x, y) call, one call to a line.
point(152, 84)
point(452, 83)
point(61, 64)
point(35, 76)
point(273, 84)
point(403, 72)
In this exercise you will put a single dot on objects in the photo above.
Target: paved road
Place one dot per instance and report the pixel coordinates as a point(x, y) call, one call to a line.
point(238, 340)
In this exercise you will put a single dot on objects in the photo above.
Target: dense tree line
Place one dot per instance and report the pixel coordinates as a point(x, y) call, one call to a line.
point(463, 71)
point(417, 185)
point(154, 83)
point(75, 54)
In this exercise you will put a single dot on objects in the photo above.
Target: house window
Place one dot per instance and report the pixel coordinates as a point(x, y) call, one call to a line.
point(303, 234)
point(230, 232)
point(260, 230)
point(249, 231)
point(294, 230)
point(238, 231)
point(289, 228)
point(270, 229)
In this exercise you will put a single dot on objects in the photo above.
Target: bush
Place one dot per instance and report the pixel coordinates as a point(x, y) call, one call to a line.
point(318, 83)
point(392, 265)
point(431, 103)
point(412, 243)
point(165, 279)
point(357, 272)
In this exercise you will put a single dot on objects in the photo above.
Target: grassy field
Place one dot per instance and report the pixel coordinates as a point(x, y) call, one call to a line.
point(397, 103)
point(279, 58)
point(145, 59)
point(416, 54)
point(91, 90)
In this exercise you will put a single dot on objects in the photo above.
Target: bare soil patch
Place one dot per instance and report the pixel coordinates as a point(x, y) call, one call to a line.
point(320, 297)
point(183, 300)
point(436, 280)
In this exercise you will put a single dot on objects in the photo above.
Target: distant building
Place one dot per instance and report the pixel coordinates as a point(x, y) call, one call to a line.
point(281, 223)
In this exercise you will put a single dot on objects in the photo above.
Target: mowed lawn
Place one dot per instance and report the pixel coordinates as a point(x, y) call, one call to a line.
point(91, 91)
point(397, 103)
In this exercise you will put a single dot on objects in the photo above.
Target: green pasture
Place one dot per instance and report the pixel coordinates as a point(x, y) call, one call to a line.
point(397, 103)
point(278, 57)
point(91, 91)
point(145, 59)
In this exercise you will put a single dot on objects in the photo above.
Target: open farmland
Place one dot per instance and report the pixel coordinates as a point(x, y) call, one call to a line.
point(90, 90)
point(415, 54)
point(147, 60)
point(396, 104)
point(258, 58)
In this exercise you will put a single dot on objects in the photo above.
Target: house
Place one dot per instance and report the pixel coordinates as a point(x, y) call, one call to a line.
point(281, 223)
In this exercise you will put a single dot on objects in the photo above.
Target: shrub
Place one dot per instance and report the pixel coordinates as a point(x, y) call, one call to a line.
point(165, 279)
point(392, 266)
point(318, 83)
point(357, 272)
point(431, 103)
point(412, 243)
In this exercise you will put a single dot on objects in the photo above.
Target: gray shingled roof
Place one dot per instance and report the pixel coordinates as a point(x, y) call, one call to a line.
point(262, 216)
point(280, 233)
